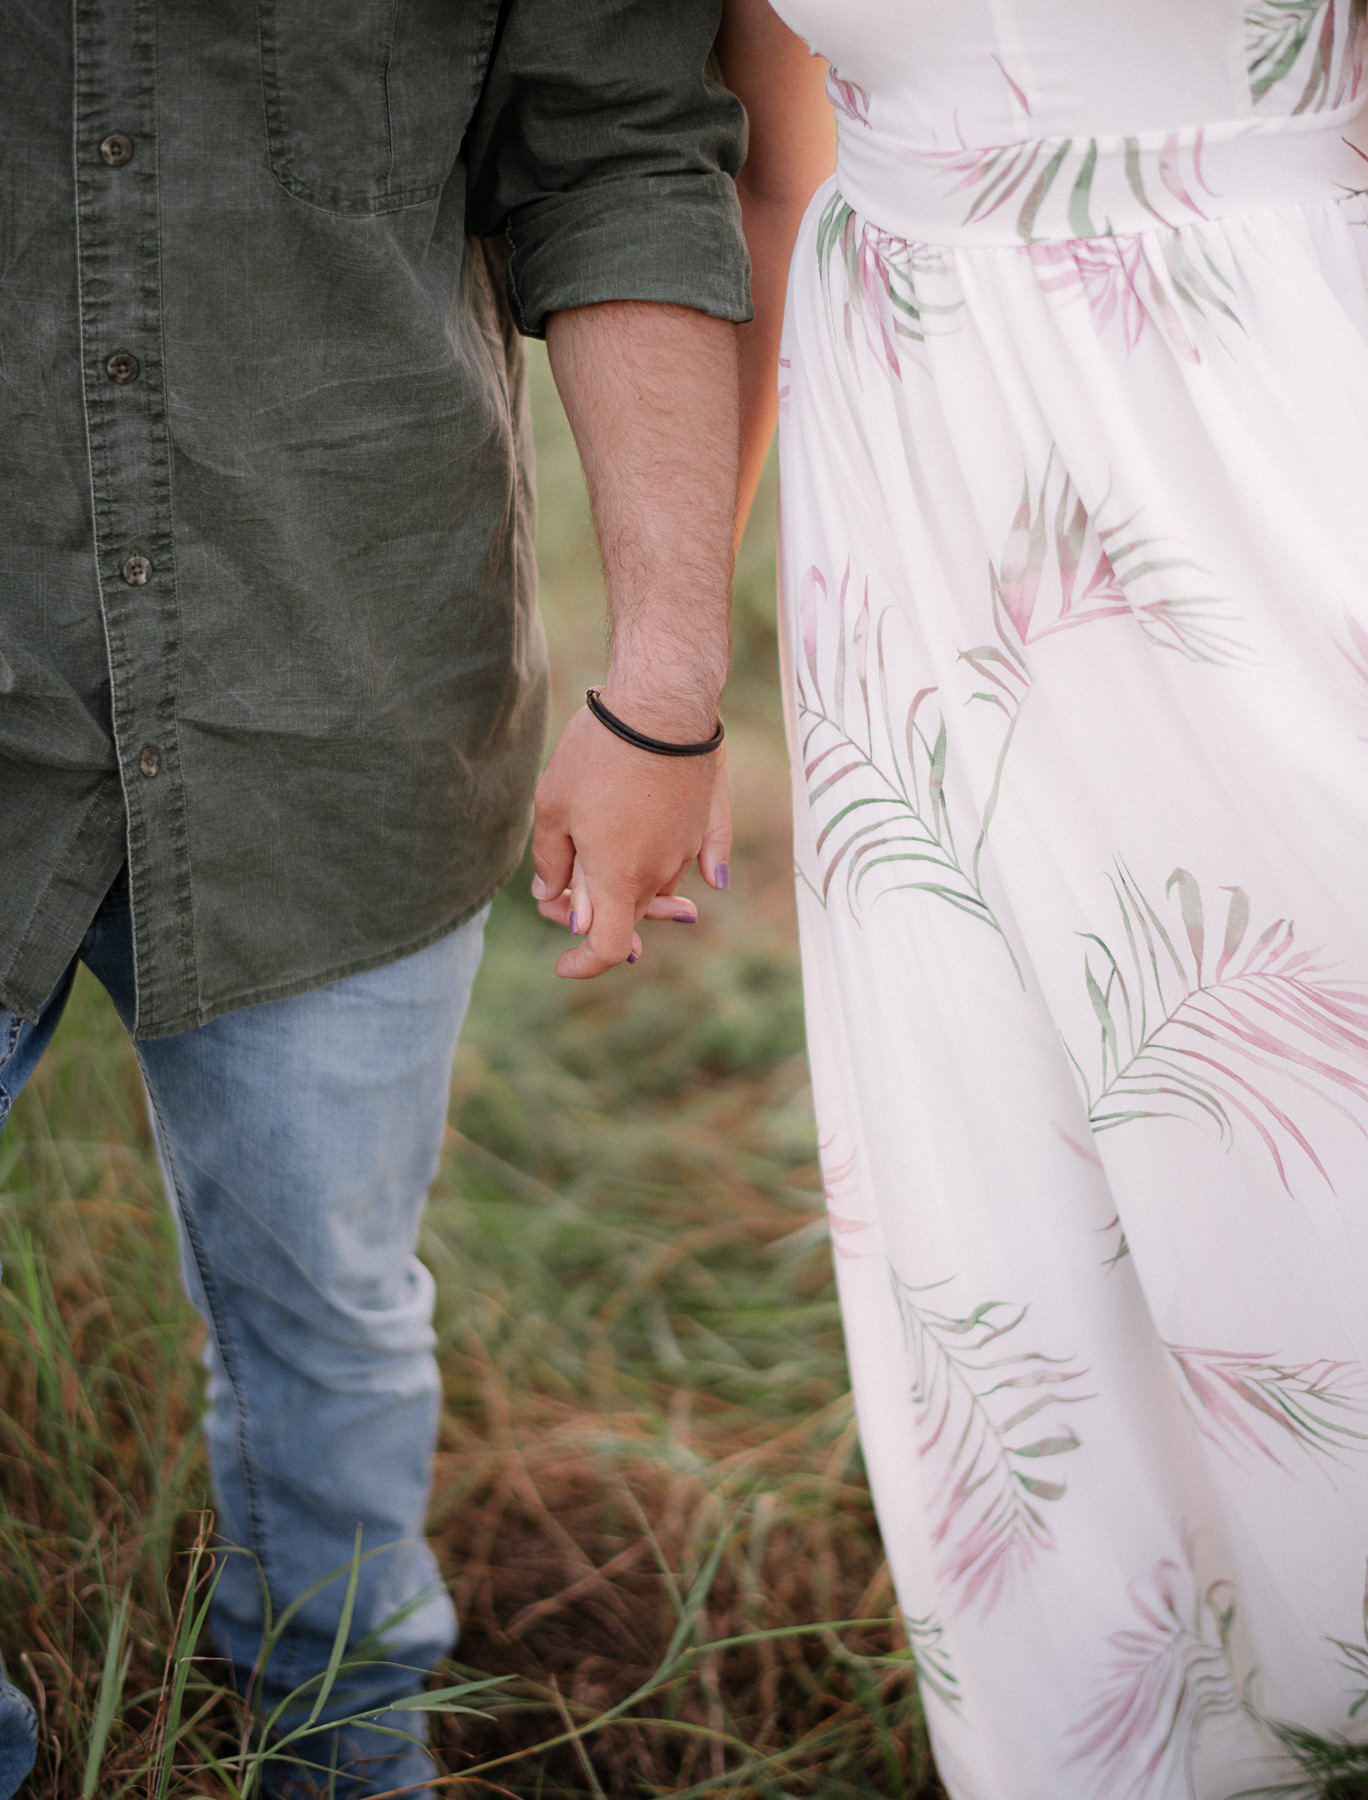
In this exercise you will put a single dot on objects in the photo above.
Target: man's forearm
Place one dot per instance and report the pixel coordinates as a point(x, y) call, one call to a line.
point(651, 394)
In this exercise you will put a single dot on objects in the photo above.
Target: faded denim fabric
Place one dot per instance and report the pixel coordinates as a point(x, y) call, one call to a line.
point(18, 1725)
point(267, 620)
point(298, 1139)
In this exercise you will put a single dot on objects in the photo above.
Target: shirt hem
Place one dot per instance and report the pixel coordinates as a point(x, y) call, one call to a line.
point(307, 984)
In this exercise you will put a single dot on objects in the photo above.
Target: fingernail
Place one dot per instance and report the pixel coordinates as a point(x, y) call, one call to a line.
point(633, 956)
point(574, 923)
point(722, 877)
point(684, 918)
point(538, 888)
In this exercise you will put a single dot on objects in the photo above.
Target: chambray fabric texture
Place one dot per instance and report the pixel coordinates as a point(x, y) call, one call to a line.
point(267, 621)
point(298, 1139)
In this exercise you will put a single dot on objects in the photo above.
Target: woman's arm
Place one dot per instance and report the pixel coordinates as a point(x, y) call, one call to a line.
point(792, 151)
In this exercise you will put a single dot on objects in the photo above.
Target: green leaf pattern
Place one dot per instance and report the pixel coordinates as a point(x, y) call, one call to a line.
point(1314, 46)
point(1046, 188)
point(1168, 1676)
point(874, 761)
point(1227, 1040)
point(1254, 1405)
point(979, 1401)
point(890, 292)
point(1142, 283)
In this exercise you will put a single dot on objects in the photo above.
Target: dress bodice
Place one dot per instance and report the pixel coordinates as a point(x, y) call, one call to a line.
point(984, 71)
point(1021, 120)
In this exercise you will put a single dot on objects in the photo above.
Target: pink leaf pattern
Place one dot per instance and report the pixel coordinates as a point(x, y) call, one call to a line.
point(1049, 182)
point(848, 97)
point(975, 1397)
point(1155, 281)
point(1169, 1674)
point(1018, 92)
point(839, 1185)
point(1085, 1153)
point(1060, 569)
point(1295, 40)
point(1251, 1403)
point(1222, 1046)
point(880, 292)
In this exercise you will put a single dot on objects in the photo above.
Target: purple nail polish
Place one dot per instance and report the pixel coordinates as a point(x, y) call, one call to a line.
point(722, 877)
point(633, 956)
point(574, 923)
point(684, 918)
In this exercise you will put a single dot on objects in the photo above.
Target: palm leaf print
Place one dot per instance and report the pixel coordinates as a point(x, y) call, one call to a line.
point(1120, 281)
point(1297, 37)
point(840, 1187)
point(1252, 1403)
point(1215, 1036)
point(848, 97)
point(976, 1398)
point(1119, 1249)
point(1168, 1676)
point(875, 770)
point(935, 1672)
point(1056, 177)
point(879, 284)
point(1276, 33)
point(1060, 569)
point(1017, 91)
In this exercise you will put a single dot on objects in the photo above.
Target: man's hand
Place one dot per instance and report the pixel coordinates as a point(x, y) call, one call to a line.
point(604, 865)
point(651, 394)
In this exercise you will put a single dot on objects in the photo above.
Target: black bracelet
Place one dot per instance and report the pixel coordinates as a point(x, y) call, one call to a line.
point(657, 746)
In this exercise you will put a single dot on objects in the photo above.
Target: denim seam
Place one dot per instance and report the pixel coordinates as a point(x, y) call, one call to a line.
point(217, 1320)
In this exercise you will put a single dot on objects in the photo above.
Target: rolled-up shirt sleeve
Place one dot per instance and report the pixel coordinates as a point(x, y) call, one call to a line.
point(605, 149)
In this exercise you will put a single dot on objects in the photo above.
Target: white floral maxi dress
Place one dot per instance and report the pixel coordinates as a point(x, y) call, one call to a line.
point(1074, 476)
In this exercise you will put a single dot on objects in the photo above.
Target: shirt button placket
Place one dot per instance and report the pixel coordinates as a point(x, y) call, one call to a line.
point(116, 150)
point(122, 368)
point(118, 236)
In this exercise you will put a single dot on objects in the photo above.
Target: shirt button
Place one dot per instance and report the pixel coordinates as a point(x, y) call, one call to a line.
point(149, 761)
point(116, 150)
point(122, 368)
point(137, 571)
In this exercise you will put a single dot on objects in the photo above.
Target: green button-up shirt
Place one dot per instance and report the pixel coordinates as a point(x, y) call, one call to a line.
point(267, 620)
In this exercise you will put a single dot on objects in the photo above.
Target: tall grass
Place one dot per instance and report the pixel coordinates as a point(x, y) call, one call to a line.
point(649, 1498)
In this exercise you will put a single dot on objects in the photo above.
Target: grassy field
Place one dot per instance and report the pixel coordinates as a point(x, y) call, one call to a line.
point(649, 1494)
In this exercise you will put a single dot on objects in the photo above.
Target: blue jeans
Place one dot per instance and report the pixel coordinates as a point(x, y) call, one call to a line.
point(298, 1139)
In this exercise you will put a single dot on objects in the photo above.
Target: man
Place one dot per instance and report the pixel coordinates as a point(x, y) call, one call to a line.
point(271, 683)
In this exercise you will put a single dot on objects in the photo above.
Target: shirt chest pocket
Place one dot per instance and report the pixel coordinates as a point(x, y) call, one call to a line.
point(366, 101)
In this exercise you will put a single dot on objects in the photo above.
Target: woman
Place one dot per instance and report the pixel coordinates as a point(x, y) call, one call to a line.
point(1075, 597)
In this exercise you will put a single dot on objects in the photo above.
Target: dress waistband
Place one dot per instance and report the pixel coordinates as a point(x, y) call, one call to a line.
point(1045, 189)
